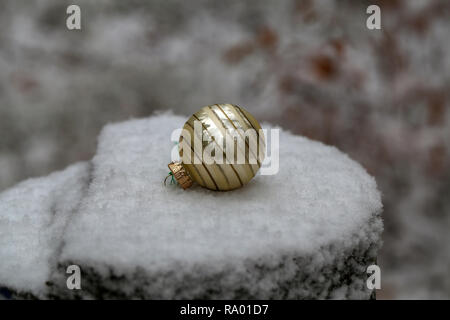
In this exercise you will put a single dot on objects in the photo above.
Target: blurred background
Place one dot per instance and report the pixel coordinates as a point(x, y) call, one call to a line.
point(313, 67)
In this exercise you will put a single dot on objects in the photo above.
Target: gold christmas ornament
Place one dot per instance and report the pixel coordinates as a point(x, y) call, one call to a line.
point(221, 147)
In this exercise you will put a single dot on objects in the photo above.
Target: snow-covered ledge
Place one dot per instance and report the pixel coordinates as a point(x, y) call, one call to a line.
point(308, 232)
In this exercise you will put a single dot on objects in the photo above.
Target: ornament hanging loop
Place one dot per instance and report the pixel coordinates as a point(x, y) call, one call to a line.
point(172, 181)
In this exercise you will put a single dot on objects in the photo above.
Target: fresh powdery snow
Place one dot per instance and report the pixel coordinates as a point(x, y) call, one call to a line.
point(309, 231)
point(33, 217)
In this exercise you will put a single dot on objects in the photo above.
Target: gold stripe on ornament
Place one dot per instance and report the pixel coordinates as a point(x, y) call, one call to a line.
point(245, 170)
point(235, 126)
point(226, 171)
point(201, 168)
point(239, 112)
point(192, 170)
point(218, 130)
point(261, 141)
point(227, 125)
point(228, 168)
point(198, 171)
point(195, 174)
point(238, 123)
point(189, 167)
point(248, 118)
point(216, 173)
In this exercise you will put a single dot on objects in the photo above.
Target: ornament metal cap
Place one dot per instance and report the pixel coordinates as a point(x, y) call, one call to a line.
point(182, 177)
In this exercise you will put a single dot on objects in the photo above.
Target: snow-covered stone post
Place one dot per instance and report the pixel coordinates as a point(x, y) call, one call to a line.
point(309, 231)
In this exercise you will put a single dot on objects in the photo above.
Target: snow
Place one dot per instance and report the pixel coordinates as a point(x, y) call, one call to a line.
point(33, 217)
point(317, 220)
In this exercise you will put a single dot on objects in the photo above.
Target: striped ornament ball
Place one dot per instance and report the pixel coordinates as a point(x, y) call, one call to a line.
point(222, 147)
